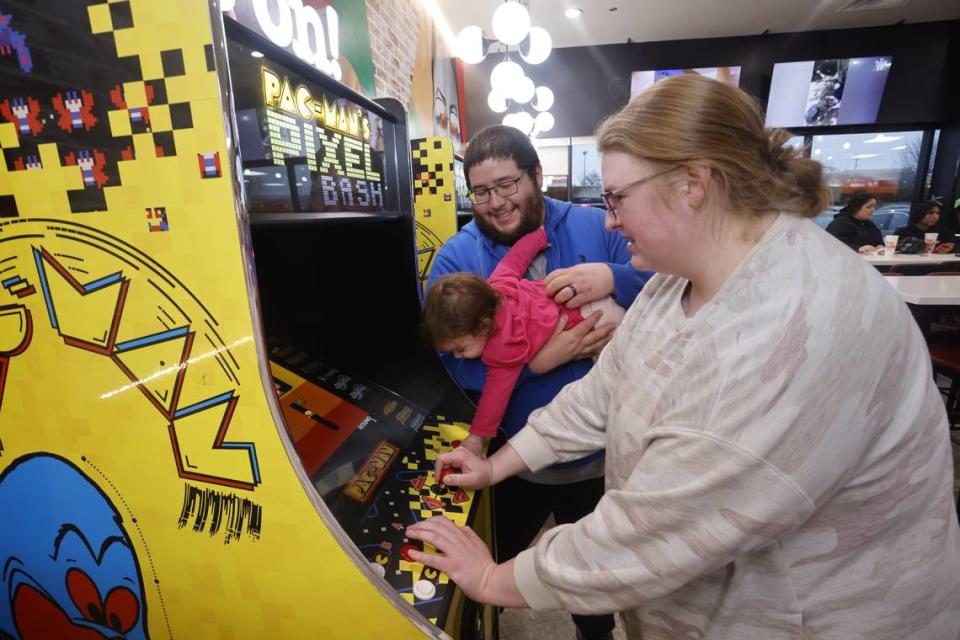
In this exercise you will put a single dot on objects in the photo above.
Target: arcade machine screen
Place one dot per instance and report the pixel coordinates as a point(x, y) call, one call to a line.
point(315, 156)
point(304, 149)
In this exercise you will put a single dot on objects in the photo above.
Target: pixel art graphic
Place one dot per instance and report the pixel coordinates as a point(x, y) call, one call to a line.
point(69, 566)
point(24, 113)
point(12, 42)
point(75, 109)
point(93, 289)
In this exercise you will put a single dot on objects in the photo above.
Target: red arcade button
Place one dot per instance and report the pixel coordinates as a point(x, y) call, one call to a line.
point(445, 472)
point(405, 551)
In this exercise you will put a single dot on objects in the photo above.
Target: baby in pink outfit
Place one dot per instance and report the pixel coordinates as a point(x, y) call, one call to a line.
point(504, 321)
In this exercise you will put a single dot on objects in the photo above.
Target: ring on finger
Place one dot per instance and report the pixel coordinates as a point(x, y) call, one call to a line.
point(572, 288)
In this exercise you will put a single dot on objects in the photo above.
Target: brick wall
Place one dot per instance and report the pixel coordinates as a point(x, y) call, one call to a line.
point(394, 28)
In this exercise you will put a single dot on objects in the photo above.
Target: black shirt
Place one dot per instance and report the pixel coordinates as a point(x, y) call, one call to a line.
point(913, 231)
point(855, 233)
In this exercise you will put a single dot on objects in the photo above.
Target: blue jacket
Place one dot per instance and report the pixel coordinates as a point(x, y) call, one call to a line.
point(576, 236)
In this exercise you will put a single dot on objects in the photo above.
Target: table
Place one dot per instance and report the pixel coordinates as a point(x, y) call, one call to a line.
point(912, 259)
point(927, 290)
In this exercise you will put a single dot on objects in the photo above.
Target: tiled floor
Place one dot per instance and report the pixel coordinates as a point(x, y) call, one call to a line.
point(523, 624)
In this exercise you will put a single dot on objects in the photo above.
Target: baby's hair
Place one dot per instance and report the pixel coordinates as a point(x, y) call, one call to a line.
point(457, 305)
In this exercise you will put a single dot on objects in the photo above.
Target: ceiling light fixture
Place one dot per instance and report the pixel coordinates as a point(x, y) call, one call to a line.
point(509, 83)
point(880, 138)
point(573, 12)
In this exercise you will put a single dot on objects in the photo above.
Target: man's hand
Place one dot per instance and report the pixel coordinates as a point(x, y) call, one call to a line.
point(583, 341)
point(868, 249)
point(579, 284)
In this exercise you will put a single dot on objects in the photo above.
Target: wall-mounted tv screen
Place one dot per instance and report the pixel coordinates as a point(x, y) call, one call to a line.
point(822, 93)
point(640, 80)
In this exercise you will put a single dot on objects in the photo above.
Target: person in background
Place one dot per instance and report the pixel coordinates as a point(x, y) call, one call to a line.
point(584, 262)
point(504, 321)
point(778, 457)
point(852, 225)
point(925, 218)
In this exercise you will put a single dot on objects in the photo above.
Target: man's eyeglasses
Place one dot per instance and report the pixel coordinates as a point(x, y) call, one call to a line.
point(503, 189)
point(612, 199)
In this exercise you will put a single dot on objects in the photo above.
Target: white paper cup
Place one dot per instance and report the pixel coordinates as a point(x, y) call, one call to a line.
point(890, 245)
point(929, 241)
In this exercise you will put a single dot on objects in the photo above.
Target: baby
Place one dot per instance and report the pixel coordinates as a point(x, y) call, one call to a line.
point(504, 321)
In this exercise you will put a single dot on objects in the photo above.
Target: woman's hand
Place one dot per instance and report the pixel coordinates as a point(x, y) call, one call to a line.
point(463, 556)
point(579, 284)
point(473, 444)
point(470, 470)
point(868, 249)
point(583, 341)
point(944, 247)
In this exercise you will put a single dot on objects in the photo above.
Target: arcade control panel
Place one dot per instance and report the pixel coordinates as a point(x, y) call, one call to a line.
point(371, 455)
point(410, 493)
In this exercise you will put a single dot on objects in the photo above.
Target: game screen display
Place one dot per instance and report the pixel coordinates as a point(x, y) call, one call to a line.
point(343, 428)
point(640, 80)
point(304, 149)
point(819, 93)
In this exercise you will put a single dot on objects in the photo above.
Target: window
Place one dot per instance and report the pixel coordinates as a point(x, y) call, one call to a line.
point(928, 179)
point(555, 159)
point(883, 165)
point(800, 143)
point(585, 172)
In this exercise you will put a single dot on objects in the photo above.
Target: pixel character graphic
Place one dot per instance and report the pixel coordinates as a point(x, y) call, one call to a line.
point(69, 569)
point(12, 41)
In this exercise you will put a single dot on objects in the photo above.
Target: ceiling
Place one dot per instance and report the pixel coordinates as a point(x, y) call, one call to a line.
point(653, 20)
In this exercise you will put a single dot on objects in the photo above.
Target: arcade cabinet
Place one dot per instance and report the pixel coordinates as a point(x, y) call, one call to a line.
point(216, 417)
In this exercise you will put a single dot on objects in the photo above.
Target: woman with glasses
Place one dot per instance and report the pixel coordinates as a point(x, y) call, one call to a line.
point(777, 455)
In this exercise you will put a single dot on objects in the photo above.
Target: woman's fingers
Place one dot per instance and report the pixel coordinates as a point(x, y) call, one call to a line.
point(438, 531)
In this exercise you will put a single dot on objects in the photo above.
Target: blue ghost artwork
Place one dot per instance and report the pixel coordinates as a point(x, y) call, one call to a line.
point(67, 565)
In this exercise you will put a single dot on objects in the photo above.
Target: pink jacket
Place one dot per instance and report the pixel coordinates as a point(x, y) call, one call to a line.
point(525, 321)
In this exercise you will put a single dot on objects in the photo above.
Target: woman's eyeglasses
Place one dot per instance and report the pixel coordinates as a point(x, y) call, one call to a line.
point(612, 199)
point(503, 189)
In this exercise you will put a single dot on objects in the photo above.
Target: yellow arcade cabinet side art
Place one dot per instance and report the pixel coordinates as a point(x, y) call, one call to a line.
point(147, 484)
point(434, 199)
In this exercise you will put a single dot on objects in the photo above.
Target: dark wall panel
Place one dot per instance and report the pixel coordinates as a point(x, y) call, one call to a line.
point(590, 83)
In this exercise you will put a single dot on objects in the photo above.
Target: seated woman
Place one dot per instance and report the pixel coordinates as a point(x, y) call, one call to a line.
point(924, 219)
point(778, 461)
point(853, 227)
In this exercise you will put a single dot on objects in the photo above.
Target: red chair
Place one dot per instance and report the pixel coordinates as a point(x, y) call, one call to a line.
point(946, 329)
point(946, 362)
